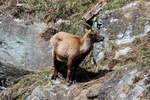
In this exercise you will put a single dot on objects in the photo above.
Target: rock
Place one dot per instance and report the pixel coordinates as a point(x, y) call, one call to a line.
point(2, 88)
point(23, 48)
point(122, 52)
point(126, 84)
point(123, 25)
point(21, 45)
point(63, 92)
point(50, 92)
point(60, 91)
point(9, 74)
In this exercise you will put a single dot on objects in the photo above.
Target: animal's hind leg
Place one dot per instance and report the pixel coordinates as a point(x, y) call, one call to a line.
point(55, 66)
point(55, 73)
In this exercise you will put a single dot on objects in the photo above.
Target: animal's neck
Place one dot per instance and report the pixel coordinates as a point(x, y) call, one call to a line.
point(86, 45)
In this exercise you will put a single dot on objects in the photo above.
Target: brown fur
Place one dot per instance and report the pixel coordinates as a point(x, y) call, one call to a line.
point(71, 49)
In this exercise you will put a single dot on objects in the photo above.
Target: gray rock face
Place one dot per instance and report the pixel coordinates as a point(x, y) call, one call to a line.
point(21, 44)
point(21, 49)
point(59, 92)
point(9, 74)
point(63, 92)
point(126, 84)
point(122, 25)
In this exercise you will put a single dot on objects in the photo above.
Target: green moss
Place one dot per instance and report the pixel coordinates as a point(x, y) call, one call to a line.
point(143, 49)
point(144, 53)
point(126, 61)
point(114, 62)
point(139, 55)
point(2, 2)
point(52, 11)
point(25, 86)
point(148, 88)
point(131, 86)
point(112, 45)
point(137, 41)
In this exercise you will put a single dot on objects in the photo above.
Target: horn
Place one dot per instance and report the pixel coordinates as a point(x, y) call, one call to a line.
point(86, 24)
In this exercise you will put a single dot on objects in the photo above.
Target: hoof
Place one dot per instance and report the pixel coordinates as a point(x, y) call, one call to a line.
point(69, 83)
point(53, 77)
point(74, 82)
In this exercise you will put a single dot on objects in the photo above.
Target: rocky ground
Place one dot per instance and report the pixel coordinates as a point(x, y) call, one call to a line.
point(117, 69)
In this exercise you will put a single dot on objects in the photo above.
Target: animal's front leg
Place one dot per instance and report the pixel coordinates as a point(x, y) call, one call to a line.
point(55, 73)
point(74, 74)
point(69, 69)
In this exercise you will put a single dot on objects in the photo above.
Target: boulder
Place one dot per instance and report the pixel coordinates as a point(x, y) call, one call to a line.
point(21, 44)
point(128, 83)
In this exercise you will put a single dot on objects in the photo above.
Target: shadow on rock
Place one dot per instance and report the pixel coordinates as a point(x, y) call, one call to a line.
point(82, 75)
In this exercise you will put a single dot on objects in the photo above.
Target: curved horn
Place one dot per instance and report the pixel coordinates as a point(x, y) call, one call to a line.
point(86, 24)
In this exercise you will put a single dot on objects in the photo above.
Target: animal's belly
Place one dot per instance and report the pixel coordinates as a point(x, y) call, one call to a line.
point(61, 58)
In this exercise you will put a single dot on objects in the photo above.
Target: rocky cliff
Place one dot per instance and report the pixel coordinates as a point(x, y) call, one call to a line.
point(122, 60)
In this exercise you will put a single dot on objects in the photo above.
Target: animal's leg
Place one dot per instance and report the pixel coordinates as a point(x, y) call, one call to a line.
point(55, 73)
point(69, 69)
point(74, 73)
point(55, 66)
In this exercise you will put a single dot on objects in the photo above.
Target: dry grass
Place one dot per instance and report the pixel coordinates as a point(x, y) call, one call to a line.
point(112, 4)
point(51, 11)
point(140, 54)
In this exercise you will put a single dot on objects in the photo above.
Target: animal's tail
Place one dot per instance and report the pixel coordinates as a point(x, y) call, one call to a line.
point(54, 41)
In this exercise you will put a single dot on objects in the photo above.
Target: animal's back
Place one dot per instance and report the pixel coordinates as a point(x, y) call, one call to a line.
point(65, 44)
point(62, 36)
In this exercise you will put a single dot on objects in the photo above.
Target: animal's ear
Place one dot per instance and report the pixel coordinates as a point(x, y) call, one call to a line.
point(86, 30)
point(92, 30)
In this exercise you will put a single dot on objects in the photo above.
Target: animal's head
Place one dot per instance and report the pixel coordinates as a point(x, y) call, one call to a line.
point(94, 36)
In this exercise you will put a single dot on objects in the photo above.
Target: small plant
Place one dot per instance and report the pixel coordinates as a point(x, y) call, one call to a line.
point(130, 59)
point(143, 48)
point(131, 86)
point(137, 41)
point(143, 64)
point(114, 62)
point(148, 88)
point(112, 45)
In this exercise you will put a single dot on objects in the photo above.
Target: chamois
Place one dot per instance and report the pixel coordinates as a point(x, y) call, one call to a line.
point(71, 49)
